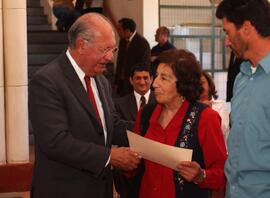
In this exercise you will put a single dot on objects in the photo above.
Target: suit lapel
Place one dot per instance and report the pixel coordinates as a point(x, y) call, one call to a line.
point(77, 88)
point(133, 108)
point(152, 98)
point(105, 106)
point(132, 42)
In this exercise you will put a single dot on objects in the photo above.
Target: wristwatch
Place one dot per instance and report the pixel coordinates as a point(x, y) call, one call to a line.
point(200, 177)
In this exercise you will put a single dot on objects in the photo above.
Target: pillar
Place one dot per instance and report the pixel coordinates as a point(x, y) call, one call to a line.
point(2, 104)
point(150, 20)
point(15, 71)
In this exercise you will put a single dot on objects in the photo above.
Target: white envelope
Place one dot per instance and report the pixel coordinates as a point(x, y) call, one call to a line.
point(163, 154)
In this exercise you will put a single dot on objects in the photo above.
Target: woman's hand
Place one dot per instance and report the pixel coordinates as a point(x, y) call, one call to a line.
point(191, 171)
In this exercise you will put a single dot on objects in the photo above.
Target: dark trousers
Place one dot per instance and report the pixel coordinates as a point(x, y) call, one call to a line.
point(65, 17)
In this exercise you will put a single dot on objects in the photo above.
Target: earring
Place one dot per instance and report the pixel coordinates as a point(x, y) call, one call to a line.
point(182, 98)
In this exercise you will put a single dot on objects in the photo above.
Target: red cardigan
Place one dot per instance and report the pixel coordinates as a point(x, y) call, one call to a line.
point(158, 180)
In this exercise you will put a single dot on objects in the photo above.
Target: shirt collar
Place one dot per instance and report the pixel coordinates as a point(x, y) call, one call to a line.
point(138, 96)
point(76, 67)
point(264, 63)
point(132, 36)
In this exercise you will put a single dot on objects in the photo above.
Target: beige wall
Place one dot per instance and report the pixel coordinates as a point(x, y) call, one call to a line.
point(143, 12)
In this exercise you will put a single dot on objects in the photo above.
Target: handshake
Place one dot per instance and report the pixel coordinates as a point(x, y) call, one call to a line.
point(124, 158)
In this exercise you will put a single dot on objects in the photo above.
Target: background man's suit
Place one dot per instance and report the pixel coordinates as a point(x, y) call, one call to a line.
point(126, 106)
point(57, 91)
point(137, 51)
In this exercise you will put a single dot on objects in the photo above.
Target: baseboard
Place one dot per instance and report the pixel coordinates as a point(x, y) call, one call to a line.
point(15, 177)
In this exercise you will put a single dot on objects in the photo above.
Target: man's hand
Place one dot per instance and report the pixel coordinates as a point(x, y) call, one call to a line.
point(124, 158)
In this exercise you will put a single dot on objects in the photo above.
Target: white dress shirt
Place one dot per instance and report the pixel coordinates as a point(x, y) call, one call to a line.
point(81, 75)
point(221, 107)
point(138, 98)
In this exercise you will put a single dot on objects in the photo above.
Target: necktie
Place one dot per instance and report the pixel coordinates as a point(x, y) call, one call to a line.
point(91, 97)
point(127, 44)
point(142, 102)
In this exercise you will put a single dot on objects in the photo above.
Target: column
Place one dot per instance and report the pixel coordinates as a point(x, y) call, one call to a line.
point(15, 71)
point(2, 104)
point(149, 29)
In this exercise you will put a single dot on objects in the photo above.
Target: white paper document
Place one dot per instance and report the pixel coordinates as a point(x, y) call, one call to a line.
point(163, 154)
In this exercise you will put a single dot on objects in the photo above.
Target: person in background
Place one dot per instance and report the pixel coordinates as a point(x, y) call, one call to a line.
point(162, 37)
point(99, 6)
point(209, 96)
point(74, 120)
point(141, 81)
point(85, 6)
point(247, 27)
point(127, 107)
point(133, 49)
point(179, 120)
point(65, 13)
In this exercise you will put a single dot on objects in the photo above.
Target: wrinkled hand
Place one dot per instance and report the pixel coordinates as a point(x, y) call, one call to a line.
point(189, 170)
point(124, 158)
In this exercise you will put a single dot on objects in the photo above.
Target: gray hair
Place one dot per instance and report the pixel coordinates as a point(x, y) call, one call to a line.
point(81, 29)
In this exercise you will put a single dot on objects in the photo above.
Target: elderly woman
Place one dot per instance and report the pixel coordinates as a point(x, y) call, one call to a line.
point(179, 120)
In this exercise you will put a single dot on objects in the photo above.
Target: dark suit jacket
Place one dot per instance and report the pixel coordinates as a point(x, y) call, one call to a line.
point(126, 106)
point(122, 51)
point(233, 70)
point(137, 51)
point(127, 109)
point(70, 148)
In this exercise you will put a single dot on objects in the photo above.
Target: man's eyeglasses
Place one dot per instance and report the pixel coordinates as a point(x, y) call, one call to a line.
point(106, 51)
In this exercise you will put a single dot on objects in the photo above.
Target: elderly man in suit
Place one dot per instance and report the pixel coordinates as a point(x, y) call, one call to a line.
point(133, 49)
point(141, 80)
point(74, 120)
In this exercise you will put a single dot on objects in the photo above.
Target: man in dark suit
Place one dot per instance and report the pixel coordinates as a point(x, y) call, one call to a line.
point(73, 118)
point(141, 80)
point(127, 107)
point(133, 48)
